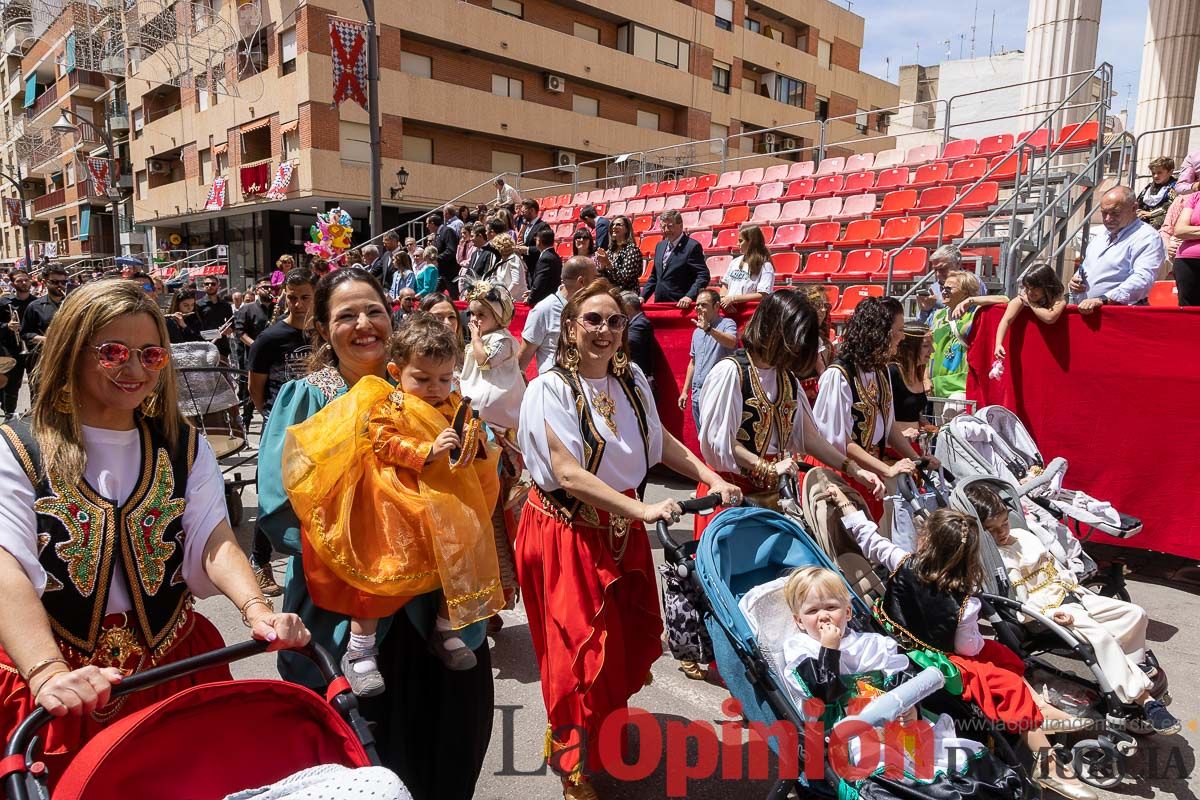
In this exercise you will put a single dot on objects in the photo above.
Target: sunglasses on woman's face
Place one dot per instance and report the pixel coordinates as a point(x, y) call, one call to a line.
point(581, 238)
point(112, 355)
point(592, 321)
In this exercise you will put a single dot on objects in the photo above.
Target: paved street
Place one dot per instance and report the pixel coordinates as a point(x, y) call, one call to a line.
point(1166, 586)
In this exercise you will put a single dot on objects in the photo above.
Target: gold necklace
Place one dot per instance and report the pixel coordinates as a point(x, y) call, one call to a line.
point(602, 401)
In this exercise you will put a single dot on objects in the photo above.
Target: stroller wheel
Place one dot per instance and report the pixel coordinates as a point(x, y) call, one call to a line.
point(1098, 763)
point(233, 501)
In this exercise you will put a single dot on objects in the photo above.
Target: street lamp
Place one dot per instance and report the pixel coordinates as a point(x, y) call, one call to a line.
point(65, 125)
point(401, 182)
point(16, 182)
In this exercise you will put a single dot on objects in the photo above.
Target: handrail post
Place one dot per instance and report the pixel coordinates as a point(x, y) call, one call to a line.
point(821, 141)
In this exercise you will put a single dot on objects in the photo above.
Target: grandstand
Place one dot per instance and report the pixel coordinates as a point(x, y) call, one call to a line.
point(865, 223)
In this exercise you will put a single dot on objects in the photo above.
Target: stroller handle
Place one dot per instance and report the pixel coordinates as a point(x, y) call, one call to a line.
point(24, 737)
point(676, 552)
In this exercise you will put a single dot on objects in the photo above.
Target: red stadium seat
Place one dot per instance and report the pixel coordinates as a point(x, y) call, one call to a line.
point(696, 201)
point(548, 202)
point(601, 208)
point(851, 297)
point(769, 191)
point(785, 264)
point(744, 194)
point(857, 183)
point(859, 162)
point(897, 203)
point(822, 265)
point(800, 169)
point(766, 214)
point(734, 217)
point(795, 210)
point(665, 188)
point(704, 237)
point(654, 205)
point(717, 266)
point(907, 264)
point(894, 178)
point(729, 179)
point(711, 217)
point(827, 186)
point(649, 189)
point(831, 166)
point(719, 198)
point(930, 175)
point(563, 231)
point(995, 145)
point(825, 208)
point(860, 205)
point(1007, 170)
point(820, 236)
point(779, 172)
point(922, 154)
point(691, 220)
point(959, 148)
point(580, 199)
point(563, 249)
point(596, 196)
point(648, 243)
point(628, 192)
point(1080, 136)
point(706, 182)
point(726, 241)
point(568, 214)
point(887, 159)
point(788, 236)
point(1164, 294)
point(899, 230)
point(981, 198)
point(1038, 139)
point(550, 217)
point(861, 265)
point(768, 232)
point(949, 228)
point(617, 209)
point(935, 198)
point(967, 171)
point(860, 233)
point(648, 268)
point(642, 223)
point(686, 185)
point(635, 206)
point(751, 176)
point(612, 195)
point(797, 190)
point(674, 202)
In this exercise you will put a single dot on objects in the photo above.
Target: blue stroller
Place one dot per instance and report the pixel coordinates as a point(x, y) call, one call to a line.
point(745, 548)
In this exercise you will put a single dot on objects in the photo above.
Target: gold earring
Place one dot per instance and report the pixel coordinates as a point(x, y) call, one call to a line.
point(620, 364)
point(571, 358)
point(62, 403)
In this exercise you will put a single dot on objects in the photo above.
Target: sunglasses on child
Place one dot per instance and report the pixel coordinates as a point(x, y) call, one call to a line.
point(112, 355)
point(593, 320)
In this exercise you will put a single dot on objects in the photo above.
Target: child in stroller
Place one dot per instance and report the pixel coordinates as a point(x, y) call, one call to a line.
point(929, 604)
point(1115, 629)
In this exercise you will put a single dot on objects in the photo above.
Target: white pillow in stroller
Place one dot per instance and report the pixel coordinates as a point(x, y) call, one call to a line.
point(770, 620)
point(331, 782)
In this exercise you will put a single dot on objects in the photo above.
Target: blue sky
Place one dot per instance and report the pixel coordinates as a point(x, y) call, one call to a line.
point(895, 28)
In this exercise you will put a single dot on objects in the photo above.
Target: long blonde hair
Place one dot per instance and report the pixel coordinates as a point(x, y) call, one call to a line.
point(86, 310)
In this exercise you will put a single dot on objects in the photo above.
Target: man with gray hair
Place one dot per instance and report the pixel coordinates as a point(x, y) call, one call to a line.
point(680, 271)
point(941, 262)
point(540, 335)
point(1120, 265)
point(643, 348)
point(373, 263)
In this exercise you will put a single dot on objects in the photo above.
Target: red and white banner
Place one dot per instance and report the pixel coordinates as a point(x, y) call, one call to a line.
point(283, 179)
point(255, 179)
point(13, 206)
point(216, 195)
point(98, 169)
point(348, 45)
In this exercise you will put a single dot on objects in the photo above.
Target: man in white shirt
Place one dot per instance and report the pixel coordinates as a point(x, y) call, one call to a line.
point(540, 335)
point(1120, 265)
point(505, 195)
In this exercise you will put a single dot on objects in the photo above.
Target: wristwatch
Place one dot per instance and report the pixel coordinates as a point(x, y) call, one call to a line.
point(1104, 300)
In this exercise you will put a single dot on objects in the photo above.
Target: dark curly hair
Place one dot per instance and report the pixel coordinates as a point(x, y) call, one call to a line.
point(868, 341)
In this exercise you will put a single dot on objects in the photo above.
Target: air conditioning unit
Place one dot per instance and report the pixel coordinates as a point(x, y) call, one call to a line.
point(769, 139)
point(789, 144)
point(556, 84)
point(118, 122)
point(564, 160)
point(157, 167)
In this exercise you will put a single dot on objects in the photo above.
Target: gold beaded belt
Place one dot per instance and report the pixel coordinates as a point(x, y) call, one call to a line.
point(616, 526)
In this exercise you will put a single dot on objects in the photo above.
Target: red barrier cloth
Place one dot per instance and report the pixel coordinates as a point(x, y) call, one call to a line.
point(1117, 394)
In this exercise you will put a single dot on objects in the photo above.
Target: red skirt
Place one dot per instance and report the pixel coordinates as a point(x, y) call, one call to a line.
point(700, 521)
point(994, 680)
point(64, 736)
point(594, 620)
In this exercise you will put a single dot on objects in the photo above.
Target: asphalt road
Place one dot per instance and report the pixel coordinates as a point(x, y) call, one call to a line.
point(1164, 767)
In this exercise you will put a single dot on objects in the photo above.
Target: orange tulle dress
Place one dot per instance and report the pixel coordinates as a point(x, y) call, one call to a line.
point(380, 526)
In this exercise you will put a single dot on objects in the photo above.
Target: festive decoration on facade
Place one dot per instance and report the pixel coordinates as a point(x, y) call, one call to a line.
point(331, 234)
point(348, 45)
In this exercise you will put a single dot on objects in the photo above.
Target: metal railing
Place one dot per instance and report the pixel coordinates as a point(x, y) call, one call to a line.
point(1137, 141)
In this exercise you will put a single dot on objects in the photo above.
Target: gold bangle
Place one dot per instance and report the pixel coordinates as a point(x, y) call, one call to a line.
point(250, 602)
point(45, 662)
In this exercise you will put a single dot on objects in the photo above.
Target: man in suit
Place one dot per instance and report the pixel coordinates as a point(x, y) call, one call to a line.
point(547, 273)
point(598, 224)
point(532, 225)
point(446, 242)
point(680, 271)
point(375, 263)
point(643, 347)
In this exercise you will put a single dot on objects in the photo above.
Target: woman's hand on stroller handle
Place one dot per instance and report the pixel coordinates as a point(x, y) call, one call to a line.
point(281, 631)
point(76, 691)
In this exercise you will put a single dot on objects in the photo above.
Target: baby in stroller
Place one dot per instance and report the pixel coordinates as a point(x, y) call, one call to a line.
point(1115, 629)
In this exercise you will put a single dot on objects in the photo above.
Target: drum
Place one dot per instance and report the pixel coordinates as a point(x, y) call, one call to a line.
point(208, 395)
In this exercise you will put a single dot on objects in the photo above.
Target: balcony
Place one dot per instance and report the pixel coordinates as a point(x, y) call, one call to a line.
point(86, 83)
point(47, 99)
point(49, 200)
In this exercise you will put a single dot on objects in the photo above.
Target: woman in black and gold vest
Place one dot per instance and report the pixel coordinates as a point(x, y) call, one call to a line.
point(854, 398)
point(113, 520)
point(755, 419)
point(589, 432)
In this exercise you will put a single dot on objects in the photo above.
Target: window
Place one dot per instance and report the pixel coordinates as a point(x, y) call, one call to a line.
point(291, 144)
point(653, 46)
point(254, 59)
point(222, 163)
point(218, 75)
point(203, 95)
point(717, 132)
point(354, 141)
point(504, 86)
point(789, 90)
point(70, 172)
point(510, 7)
point(585, 105)
point(139, 121)
point(724, 14)
point(721, 77)
point(753, 25)
point(647, 119)
point(774, 33)
point(413, 64)
point(206, 173)
point(749, 85)
point(74, 223)
point(882, 119)
point(418, 149)
point(587, 32)
point(861, 120)
point(505, 162)
point(822, 108)
point(824, 53)
point(287, 51)
point(143, 184)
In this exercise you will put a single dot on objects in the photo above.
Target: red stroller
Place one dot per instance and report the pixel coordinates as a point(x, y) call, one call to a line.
point(204, 742)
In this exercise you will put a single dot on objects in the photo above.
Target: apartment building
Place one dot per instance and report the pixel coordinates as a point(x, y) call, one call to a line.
point(548, 91)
